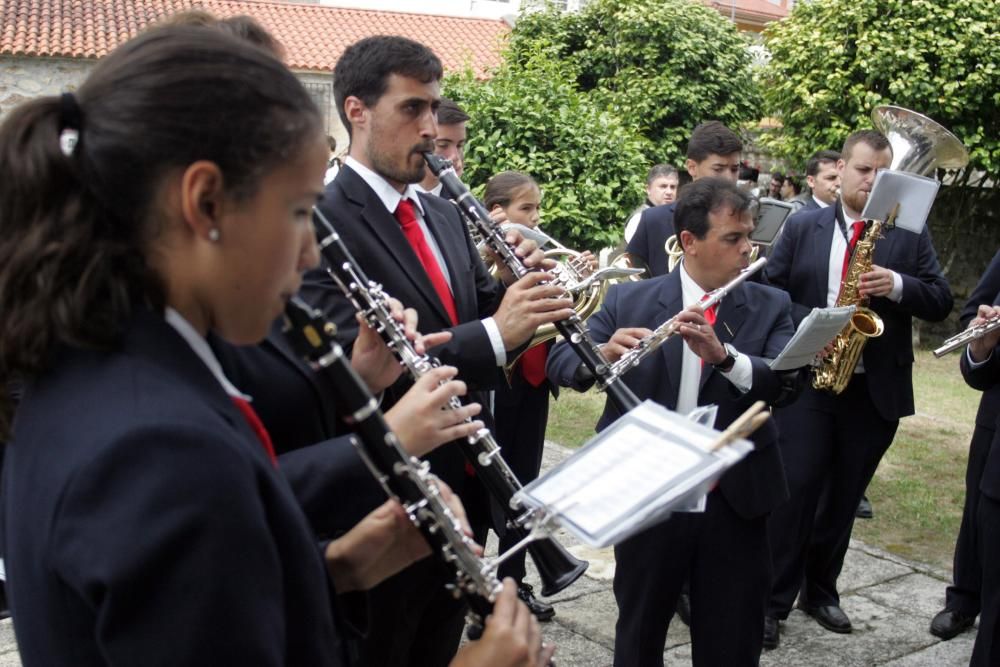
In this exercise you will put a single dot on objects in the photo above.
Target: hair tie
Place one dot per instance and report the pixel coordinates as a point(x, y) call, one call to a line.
point(70, 123)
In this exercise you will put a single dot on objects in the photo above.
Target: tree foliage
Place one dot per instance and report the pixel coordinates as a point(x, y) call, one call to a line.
point(587, 101)
point(661, 66)
point(533, 119)
point(834, 61)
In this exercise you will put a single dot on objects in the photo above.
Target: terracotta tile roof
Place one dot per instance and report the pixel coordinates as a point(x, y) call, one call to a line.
point(314, 35)
point(761, 10)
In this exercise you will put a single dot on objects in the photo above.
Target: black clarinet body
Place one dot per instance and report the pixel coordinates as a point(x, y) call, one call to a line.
point(573, 329)
point(557, 568)
point(405, 478)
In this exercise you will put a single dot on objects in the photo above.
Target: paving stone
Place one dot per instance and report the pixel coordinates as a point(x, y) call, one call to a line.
point(862, 569)
point(953, 653)
point(916, 594)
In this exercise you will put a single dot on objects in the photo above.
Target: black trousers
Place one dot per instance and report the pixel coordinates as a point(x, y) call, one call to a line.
point(521, 416)
point(963, 595)
point(986, 652)
point(725, 558)
point(831, 446)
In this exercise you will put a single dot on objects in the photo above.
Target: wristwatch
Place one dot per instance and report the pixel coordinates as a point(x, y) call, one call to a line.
point(727, 364)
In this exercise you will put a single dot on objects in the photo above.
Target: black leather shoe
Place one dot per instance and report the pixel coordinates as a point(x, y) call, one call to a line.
point(864, 510)
point(771, 635)
point(542, 611)
point(684, 608)
point(949, 623)
point(832, 618)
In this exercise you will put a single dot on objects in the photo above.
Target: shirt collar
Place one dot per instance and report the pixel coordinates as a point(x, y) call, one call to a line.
point(692, 293)
point(819, 202)
point(389, 196)
point(201, 348)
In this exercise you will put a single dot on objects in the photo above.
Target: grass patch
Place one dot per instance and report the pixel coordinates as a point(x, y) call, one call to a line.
point(919, 488)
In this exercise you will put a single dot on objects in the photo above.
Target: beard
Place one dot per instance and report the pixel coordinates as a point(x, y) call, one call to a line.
point(392, 167)
point(855, 200)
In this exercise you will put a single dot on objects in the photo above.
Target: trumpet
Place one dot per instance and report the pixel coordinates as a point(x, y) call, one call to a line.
point(972, 333)
point(665, 331)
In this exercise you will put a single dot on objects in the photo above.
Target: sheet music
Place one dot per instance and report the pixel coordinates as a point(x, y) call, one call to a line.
point(816, 330)
point(914, 194)
point(631, 475)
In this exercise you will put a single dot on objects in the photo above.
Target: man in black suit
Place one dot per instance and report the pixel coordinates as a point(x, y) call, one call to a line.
point(980, 365)
point(722, 551)
point(714, 150)
point(387, 91)
point(832, 444)
point(823, 179)
point(962, 601)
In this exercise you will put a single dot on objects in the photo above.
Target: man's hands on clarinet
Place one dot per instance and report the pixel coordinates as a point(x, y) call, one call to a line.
point(417, 419)
point(528, 304)
point(511, 637)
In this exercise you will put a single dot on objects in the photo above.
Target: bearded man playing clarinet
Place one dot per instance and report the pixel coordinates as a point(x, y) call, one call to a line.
point(832, 443)
point(718, 357)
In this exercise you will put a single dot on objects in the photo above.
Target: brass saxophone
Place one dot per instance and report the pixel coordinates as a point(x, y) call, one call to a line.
point(835, 371)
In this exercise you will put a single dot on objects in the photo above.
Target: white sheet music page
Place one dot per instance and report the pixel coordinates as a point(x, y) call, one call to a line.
point(817, 329)
point(914, 194)
point(631, 474)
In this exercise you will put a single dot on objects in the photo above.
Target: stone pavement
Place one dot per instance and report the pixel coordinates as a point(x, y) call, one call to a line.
point(890, 601)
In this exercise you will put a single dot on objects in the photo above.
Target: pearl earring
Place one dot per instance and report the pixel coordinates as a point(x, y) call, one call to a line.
point(213, 235)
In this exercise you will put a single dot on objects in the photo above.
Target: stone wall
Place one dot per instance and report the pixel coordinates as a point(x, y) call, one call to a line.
point(23, 78)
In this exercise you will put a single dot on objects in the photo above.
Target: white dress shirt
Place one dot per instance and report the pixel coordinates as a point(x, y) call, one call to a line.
point(390, 197)
point(740, 375)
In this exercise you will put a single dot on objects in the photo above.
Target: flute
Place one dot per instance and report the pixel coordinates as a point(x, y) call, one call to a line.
point(962, 339)
point(665, 331)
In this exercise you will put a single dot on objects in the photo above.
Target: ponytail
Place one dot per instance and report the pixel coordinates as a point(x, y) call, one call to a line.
point(77, 217)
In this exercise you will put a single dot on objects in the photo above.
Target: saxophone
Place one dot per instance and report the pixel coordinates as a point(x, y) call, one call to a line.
point(835, 371)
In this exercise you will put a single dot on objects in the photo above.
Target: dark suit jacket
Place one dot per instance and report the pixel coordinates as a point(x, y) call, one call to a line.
point(986, 378)
point(143, 523)
point(986, 291)
point(648, 243)
point(376, 241)
point(759, 320)
point(799, 264)
point(330, 481)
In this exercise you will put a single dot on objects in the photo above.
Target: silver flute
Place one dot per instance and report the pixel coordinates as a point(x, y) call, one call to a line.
point(665, 331)
point(972, 333)
point(402, 476)
point(557, 568)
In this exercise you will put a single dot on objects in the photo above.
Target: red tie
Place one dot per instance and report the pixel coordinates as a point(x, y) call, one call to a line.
point(257, 426)
point(533, 364)
point(411, 228)
point(709, 317)
point(856, 229)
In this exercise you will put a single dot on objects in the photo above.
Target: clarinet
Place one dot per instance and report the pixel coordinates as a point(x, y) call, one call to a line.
point(557, 568)
point(403, 477)
point(573, 330)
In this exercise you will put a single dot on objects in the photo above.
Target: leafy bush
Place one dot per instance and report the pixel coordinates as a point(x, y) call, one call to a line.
point(834, 61)
point(661, 66)
point(533, 119)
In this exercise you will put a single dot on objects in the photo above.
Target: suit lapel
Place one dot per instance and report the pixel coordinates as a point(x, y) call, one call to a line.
point(386, 229)
point(455, 254)
point(822, 240)
point(670, 303)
